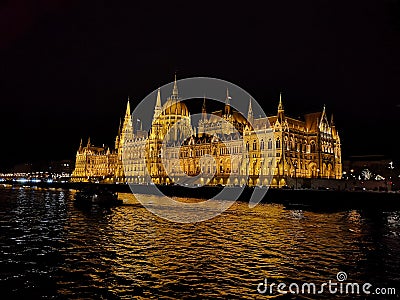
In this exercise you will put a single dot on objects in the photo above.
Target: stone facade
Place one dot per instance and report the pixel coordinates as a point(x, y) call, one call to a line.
point(223, 148)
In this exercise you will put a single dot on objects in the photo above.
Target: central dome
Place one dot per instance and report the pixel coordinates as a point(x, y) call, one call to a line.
point(175, 107)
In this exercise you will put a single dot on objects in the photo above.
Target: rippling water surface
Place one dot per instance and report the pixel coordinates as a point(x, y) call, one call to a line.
point(52, 249)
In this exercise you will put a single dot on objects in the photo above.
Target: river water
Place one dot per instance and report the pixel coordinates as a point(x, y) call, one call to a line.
point(53, 249)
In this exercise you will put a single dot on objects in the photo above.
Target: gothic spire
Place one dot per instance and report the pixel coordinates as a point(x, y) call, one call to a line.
point(120, 126)
point(158, 102)
point(280, 108)
point(323, 115)
point(227, 103)
point(128, 109)
point(250, 116)
point(175, 89)
point(280, 105)
point(227, 99)
point(158, 107)
point(204, 110)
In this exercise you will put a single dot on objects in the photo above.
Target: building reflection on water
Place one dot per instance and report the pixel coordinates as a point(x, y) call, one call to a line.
point(51, 247)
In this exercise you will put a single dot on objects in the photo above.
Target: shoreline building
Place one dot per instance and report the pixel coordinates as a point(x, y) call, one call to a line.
point(95, 164)
point(223, 148)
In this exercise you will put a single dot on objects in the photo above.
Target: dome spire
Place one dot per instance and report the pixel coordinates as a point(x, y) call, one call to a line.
point(175, 89)
point(227, 102)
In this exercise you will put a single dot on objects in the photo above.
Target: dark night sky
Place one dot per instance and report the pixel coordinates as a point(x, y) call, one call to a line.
point(67, 67)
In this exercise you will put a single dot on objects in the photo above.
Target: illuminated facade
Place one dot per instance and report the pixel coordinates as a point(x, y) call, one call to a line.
point(101, 163)
point(274, 148)
point(94, 164)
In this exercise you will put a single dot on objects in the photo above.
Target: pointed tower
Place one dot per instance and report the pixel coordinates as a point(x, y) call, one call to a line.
point(158, 107)
point(128, 109)
point(333, 127)
point(323, 122)
point(87, 148)
point(227, 110)
point(119, 140)
point(127, 124)
point(118, 135)
point(281, 111)
point(120, 126)
point(175, 90)
point(250, 116)
point(170, 106)
point(203, 120)
point(203, 110)
point(126, 135)
point(80, 146)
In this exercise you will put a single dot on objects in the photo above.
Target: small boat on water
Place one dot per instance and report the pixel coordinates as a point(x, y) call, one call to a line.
point(97, 196)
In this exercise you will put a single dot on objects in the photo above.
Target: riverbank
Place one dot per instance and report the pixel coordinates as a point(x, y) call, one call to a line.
point(291, 198)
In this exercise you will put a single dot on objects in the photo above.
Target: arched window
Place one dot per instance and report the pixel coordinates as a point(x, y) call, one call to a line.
point(286, 144)
point(254, 145)
point(262, 145)
point(270, 144)
point(292, 145)
point(278, 143)
point(247, 146)
point(312, 147)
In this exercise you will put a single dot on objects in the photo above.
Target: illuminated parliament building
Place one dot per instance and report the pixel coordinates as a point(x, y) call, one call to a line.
point(274, 148)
